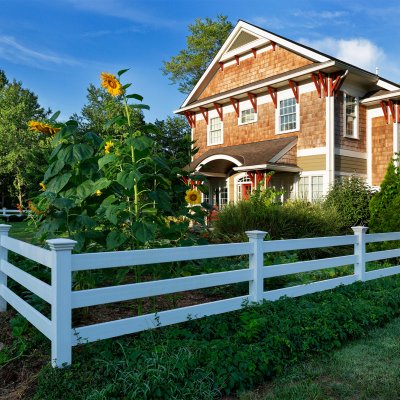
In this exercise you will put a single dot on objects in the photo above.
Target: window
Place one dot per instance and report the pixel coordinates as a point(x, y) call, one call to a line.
point(287, 115)
point(223, 196)
point(247, 116)
point(351, 116)
point(303, 187)
point(243, 188)
point(316, 187)
point(310, 188)
point(215, 131)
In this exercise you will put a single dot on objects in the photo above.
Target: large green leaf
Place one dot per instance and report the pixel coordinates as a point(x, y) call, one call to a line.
point(108, 158)
point(55, 116)
point(63, 203)
point(56, 150)
point(140, 142)
point(58, 182)
point(140, 106)
point(111, 214)
point(115, 239)
point(122, 71)
point(75, 152)
point(101, 184)
point(84, 221)
point(144, 231)
point(127, 178)
point(135, 96)
point(118, 120)
point(85, 189)
point(54, 169)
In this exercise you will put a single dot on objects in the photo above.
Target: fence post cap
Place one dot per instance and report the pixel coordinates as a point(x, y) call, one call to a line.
point(359, 229)
point(256, 234)
point(4, 228)
point(61, 244)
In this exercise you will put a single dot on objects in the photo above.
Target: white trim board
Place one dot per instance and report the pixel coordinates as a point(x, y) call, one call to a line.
point(350, 153)
point(311, 152)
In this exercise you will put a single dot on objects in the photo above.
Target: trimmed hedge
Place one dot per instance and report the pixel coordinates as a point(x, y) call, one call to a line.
point(223, 354)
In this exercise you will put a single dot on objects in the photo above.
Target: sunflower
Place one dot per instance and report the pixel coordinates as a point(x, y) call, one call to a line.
point(42, 186)
point(36, 126)
point(98, 193)
point(108, 146)
point(193, 197)
point(111, 83)
point(34, 209)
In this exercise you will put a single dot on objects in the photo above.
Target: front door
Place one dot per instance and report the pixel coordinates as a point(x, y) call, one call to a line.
point(246, 191)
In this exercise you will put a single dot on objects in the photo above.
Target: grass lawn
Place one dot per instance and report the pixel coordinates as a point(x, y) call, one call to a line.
point(20, 230)
point(366, 369)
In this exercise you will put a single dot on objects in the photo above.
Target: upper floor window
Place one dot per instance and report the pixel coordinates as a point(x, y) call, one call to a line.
point(288, 118)
point(215, 134)
point(247, 116)
point(350, 116)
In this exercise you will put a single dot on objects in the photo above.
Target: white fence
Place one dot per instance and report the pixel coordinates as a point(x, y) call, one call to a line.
point(63, 300)
point(4, 212)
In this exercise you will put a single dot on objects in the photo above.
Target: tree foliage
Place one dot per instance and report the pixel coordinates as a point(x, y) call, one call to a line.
point(23, 153)
point(202, 44)
point(385, 205)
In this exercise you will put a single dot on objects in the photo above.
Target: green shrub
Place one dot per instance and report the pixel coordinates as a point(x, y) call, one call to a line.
point(295, 219)
point(350, 198)
point(225, 353)
point(385, 205)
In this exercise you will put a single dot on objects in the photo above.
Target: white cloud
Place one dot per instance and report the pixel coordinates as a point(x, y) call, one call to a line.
point(358, 51)
point(13, 51)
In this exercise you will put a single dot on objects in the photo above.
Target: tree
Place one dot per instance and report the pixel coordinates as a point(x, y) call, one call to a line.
point(100, 108)
point(205, 39)
point(174, 139)
point(23, 153)
point(385, 204)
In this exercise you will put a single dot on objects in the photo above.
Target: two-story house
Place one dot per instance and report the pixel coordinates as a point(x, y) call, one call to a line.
point(266, 103)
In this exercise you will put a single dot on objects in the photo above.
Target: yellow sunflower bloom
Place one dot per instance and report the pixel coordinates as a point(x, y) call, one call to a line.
point(47, 129)
point(98, 193)
point(111, 83)
point(193, 197)
point(108, 146)
point(42, 186)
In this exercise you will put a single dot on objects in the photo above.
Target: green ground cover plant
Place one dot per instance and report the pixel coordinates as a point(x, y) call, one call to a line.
point(222, 354)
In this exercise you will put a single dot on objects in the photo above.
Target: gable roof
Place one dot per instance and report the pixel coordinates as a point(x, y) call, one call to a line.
point(246, 36)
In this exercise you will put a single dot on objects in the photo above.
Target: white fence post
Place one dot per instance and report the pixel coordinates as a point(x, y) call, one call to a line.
point(61, 312)
point(256, 263)
point(359, 251)
point(3, 256)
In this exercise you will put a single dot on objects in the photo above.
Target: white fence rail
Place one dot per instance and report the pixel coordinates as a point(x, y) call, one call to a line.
point(63, 299)
point(6, 213)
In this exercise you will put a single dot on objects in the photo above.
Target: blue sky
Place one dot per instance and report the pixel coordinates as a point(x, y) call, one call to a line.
point(56, 48)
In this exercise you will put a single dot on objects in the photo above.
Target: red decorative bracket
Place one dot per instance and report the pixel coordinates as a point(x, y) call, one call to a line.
point(204, 111)
point(260, 176)
point(253, 100)
point(221, 66)
point(219, 109)
point(251, 176)
point(235, 104)
point(335, 85)
point(392, 110)
point(273, 44)
point(191, 118)
point(316, 83)
point(323, 82)
point(254, 51)
point(385, 111)
point(295, 89)
point(272, 93)
point(237, 60)
point(397, 113)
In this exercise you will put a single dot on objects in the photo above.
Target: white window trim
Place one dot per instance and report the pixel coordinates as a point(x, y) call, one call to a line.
point(286, 96)
point(236, 183)
point(209, 128)
point(357, 124)
point(248, 122)
point(310, 175)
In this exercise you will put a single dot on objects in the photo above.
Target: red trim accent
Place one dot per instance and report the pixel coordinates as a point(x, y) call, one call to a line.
point(204, 111)
point(316, 83)
point(295, 89)
point(272, 93)
point(260, 176)
point(191, 118)
point(392, 110)
point(251, 176)
point(273, 44)
point(335, 85)
point(235, 104)
point(237, 60)
point(254, 51)
point(219, 109)
point(322, 80)
point(268, 179)
point(397, 113)
point(385, 111)
point(221, 65)
point(253, 100)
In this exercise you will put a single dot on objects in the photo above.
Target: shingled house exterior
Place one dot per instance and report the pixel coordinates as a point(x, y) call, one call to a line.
point(266, 103)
